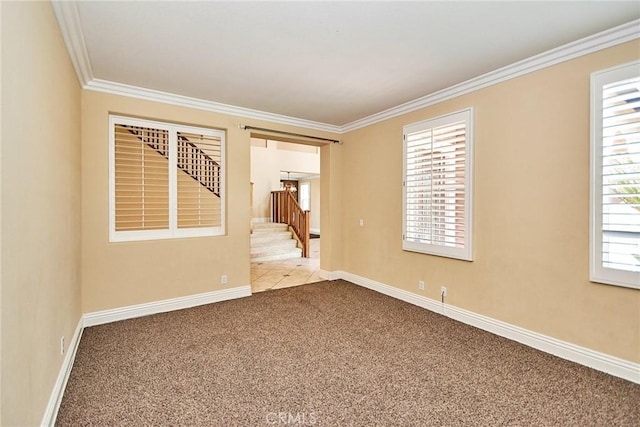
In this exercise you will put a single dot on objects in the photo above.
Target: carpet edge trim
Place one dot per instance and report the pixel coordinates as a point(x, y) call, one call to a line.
point(51, 411)
point(612, 365)
point(130, 312)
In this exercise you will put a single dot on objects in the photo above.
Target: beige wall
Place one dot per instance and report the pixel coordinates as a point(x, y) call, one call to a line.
point(314, 203)
point(40, 208)
point(1, 138)
point(531, 264)
point(121, 274)
point(265, 175)
point(331, 212)
point(268, 161)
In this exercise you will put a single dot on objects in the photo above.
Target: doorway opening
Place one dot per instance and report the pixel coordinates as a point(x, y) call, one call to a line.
point(288, 169)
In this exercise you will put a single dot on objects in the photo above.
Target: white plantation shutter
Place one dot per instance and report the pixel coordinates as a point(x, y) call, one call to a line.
point(141, 179)
point(621, 175)
point(166, 180)
point(615, 169)
point(437, 186)
point(199, 156)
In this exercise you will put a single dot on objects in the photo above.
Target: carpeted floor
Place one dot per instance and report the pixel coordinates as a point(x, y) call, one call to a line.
point(327, 354)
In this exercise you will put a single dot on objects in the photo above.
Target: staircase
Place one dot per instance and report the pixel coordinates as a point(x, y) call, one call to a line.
point(286, 210)
point(191, 158)
point(271, 241)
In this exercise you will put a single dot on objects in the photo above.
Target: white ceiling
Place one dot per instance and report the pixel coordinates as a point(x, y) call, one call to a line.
point(328, 62)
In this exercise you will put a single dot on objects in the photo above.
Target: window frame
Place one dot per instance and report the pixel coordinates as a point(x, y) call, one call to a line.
point(598, 273)
point(306, 206)
point(172, 232)
point(465, 253)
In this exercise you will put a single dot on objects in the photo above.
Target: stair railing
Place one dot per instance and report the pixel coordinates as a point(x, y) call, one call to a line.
point(286, 210)
point(198, 165)
point(191, 159)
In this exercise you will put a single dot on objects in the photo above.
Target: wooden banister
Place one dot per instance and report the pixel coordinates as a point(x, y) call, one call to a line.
point(191, 159)
point(286, 210)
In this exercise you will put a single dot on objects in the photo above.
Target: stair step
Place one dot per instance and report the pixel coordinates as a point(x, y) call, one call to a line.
point(269, 226)
point(272, 241)
point(293, 253)
point(270, 237)
point(271, 233)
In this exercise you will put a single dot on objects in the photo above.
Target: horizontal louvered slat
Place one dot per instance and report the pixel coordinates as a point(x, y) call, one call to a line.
point(166, 179)
point(620, 175)
point(435, 183)
point(199, 158)
point(141, 180)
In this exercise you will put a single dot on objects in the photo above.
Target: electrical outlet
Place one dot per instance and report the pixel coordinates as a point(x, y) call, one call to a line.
point(443, 291)
point(62, 345)
point(223, 279)
point(421, 285)
point(362, 223)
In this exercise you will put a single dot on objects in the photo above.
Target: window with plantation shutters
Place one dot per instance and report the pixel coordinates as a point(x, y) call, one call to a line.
point(615, 176)
point(166, 180)
point(438, 186)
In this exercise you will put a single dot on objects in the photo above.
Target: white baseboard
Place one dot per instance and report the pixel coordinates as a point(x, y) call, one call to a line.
point(139, 310)
point(328, 275)
point(51, 411)
point(612, 365)
point(261, 219)
point(314, 230)
point(602, 362)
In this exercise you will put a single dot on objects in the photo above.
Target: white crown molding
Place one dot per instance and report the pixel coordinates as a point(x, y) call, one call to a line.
point(202, 104)
point(139, 310)
point(593, 359)
point(69, 22)
point(51, 411)
point(585, 46)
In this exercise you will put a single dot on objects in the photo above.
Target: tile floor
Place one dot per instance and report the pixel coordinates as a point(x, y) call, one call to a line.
point(286, 273)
